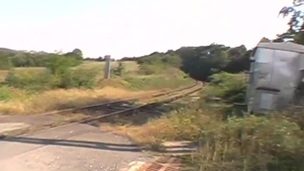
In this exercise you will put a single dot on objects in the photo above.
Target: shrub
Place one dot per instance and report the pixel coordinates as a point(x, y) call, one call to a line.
point(265, 143)
point(79, 77)
point(147, 69)
point(252, 143)
point(119, 70)
point(30, 79)
point(4, 93)
point(5, 62)
point(229, 87)
point(58, 65)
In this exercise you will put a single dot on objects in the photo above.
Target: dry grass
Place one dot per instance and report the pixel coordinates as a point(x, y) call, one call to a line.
point(68, 118)
point(249, 143)
point(131, 66)
point(148, 135)
point(3, 74)
point(170, 127)
point(62, 99)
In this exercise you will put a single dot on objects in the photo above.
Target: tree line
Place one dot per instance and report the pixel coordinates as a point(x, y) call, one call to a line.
point(12, 58)
point(199, 62)
point(203, 61)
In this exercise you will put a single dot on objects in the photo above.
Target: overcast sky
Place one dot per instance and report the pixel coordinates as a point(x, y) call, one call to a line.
point(136, 27)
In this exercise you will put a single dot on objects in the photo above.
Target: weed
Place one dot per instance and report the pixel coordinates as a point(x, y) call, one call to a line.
point(62, 99)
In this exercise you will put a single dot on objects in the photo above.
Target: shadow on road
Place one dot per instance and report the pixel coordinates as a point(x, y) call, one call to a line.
point(73, 143)
point(84, 144)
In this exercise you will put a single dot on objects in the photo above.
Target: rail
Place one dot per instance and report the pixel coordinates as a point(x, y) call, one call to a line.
point(120, 107)
point(141, 97)
point(166, 97)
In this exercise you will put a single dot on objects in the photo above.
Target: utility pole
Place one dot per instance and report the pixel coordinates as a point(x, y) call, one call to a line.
point(107, 67)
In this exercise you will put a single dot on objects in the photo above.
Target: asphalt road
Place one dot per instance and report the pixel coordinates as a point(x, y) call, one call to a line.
point(74, 147)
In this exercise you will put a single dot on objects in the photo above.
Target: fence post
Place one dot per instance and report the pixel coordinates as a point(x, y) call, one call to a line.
point(107, 67)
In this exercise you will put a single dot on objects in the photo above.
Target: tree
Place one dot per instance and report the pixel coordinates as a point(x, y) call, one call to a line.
point(264, 39)
point(58, 64)
point(5, 62)
point(78, 52)
point(295, 32)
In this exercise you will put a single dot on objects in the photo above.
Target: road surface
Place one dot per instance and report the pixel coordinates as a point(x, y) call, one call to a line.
point(74, 147)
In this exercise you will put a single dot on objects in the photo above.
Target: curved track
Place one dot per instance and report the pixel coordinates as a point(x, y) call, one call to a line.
point(79, 147)
point(131, 99)
point(126, 105)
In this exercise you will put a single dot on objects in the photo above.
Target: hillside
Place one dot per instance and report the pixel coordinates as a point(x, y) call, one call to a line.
point(6, 50)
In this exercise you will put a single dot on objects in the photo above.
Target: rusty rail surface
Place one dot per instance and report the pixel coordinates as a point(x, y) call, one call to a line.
point(164, 98)
point(120, 107)
point(140, 97)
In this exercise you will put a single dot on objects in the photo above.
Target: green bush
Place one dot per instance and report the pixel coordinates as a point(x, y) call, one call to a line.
point(147, 69)
point(58, 65)
point(30, 79)
point(5, 93)
point(251, 143)
point(5, 63)
point(265, 143)
point(119, 70)
point(229, 87)
point(79, 78)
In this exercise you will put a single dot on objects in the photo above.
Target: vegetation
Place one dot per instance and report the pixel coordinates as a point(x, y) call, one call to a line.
point(227, 140)
point(295, 33)
point(30, 79)
point(229, 87)
point(199, 62)
point(18, 101)
point(266, 143)
point(45, 75)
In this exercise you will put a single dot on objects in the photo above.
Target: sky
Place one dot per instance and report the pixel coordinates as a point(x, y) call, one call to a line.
point(130, 28)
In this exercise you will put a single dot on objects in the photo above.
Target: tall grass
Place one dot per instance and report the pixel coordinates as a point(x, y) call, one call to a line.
point(265, 143)
point(42, 90)
point(248, 143)
point(62, 99)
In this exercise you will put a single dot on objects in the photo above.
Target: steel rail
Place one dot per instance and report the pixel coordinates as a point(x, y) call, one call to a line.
point(166, 97)
point(175, 95)
point(140, 97)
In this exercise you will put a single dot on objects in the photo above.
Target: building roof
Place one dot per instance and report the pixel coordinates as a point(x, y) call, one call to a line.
point(286, 46)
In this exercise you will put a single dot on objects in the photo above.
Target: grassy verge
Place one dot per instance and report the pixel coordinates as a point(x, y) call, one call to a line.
point(36, 90)
point(251, 143)
point(228, 142)
point(20, 102)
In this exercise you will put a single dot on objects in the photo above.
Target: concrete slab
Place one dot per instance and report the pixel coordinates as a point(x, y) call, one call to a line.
point(7, 128)
point(176, 148)
point(76, 147)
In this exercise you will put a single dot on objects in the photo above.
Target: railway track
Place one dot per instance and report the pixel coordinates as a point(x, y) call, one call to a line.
point(100, 111)
point(131, 99)
point(124, 107)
